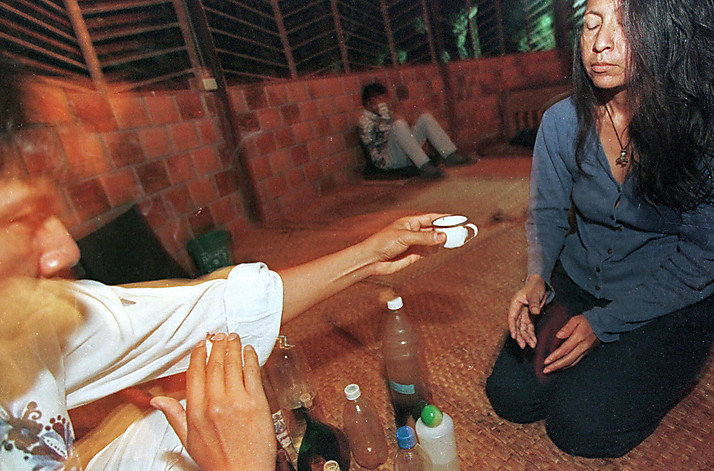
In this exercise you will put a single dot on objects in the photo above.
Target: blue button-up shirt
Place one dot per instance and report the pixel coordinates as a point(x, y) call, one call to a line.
point(648, 261)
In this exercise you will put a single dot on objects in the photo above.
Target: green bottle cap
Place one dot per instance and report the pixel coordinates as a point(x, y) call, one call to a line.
point(431, 416)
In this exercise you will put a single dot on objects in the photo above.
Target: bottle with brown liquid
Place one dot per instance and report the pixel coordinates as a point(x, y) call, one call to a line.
point(363, 428)
point(402, 360)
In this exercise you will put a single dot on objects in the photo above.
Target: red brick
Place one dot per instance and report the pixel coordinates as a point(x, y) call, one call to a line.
point(300, 155)
point(351, 84)
point(226, 182)
point(156, 142)
point(44, 103)
point(269, 118)
point(179, 200)
point(185, 136)
point(206, 160)
point(249, 122)
point(290, 113)
point(125, 148)
point(308, 110)
point(88, 199)
point(84, 152)
point(223, 211)
point(180, 168)
point(316, 149)
point(275, 186)
point(203, 191)
point(334, 144)
point(201, 221)
point(154, 211)
point(303, 132)
point(130, 111)
point(255, 97)
point(265, 143)
point(313, 171)
point(153, 177)
point(347, 103)
point(295, 177)
point(277, 95)
point(297, 92)
point(93, 111)
point(322, 126)
point(210, 132)
point(329, 165)
point(225, 154)
point(316, 89)
point(328, 184)
point(40, 149)
point(260, 168)
point(333, 86)
point(339, 124)
point(284, 137)
point(351, 138)
point(280, 161)
point(190, 105)
point(236, 96)
point(121, 186)
point(162, 109)
point(214, 107)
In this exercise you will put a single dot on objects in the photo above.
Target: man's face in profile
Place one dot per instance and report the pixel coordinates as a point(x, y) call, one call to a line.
point(33, 241)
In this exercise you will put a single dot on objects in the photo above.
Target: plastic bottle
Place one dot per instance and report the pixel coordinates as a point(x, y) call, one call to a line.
point(435, 431)
point(401, 352)
point(410, 456)
point(363, 428)
point(321, 442)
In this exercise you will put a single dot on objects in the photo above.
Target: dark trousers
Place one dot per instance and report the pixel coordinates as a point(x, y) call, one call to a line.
point(616, 396)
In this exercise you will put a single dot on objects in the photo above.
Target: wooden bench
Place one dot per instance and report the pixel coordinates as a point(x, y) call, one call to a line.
point(521, 109)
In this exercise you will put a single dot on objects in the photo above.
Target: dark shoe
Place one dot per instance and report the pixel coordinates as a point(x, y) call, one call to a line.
point(429, 172)
point(455, 159)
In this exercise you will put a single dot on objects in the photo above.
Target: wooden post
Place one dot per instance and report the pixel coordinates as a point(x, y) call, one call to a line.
point(388, 29)
point(191, 47)
point(280, 22)
point(442, 67)
point(501, 28)
point(204, 40)
point(429, 33)
point(562, 12)
point(340, 36)
point(86, 46)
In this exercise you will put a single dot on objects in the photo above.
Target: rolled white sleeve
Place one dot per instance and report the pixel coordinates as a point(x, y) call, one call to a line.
point(132, 335)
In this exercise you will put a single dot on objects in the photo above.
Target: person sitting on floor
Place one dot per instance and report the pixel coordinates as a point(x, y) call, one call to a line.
point(616, 317)
point(393, 144)
point(67, 343)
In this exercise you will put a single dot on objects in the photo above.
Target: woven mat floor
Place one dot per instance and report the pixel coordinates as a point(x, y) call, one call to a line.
point(457, 299)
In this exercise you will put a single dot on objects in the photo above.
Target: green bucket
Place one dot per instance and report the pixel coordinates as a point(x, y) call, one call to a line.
point(211, 251)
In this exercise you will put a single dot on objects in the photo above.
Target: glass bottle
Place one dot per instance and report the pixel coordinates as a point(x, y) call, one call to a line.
point(361, 424)
point(321, 442)
point(435, 431)
point(410, 456)
point(282, 460)
point(402, 360)
point(285, 443)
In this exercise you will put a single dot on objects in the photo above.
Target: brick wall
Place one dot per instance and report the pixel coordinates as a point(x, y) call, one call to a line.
point(166, 150)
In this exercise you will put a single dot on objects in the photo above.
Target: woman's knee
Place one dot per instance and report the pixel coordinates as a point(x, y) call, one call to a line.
point(510, 401)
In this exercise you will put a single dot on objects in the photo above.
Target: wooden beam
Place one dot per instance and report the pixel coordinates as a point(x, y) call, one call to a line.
point(340, 36)
point(280, 23)
point(388, 29)
point(85, 44)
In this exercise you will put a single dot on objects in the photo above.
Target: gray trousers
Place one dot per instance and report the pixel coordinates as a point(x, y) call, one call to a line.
point(405, 143)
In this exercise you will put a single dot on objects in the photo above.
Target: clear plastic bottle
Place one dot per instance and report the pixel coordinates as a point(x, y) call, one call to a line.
point(363, 428)
point(410, 456)
point(435, 431)
point(402, 360)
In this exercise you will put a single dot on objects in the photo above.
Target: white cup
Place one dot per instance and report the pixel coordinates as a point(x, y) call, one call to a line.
point(456, 228)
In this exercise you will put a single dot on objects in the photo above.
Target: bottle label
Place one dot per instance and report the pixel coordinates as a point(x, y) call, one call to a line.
point(402, 388)
point(281, 429)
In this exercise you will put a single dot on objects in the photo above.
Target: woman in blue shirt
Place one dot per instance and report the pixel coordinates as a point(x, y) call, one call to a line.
point(617, 313)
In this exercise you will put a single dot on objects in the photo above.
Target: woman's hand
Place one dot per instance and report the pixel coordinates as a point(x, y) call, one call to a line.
point(395, 246)
point(579, 340)
point(528, 301)
point(227, 424)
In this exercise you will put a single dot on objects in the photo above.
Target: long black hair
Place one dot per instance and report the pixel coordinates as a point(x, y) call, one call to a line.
point(671, 91)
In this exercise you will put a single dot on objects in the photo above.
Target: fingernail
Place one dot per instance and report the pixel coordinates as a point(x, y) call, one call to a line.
point(201, 344)
point(232, 336)
point(250, 348)
point(219, 336)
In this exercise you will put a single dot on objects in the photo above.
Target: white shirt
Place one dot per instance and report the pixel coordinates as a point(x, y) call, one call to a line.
point(129, 336)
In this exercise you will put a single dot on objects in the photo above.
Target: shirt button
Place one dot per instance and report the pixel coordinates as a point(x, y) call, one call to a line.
point(597, 287)
point(597, 269)
point(609, 251)
point(620, 228)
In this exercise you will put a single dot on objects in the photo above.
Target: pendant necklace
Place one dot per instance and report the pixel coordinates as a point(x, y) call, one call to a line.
point(622, 160)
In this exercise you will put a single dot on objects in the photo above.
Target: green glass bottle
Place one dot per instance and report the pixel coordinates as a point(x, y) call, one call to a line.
point(321, 442)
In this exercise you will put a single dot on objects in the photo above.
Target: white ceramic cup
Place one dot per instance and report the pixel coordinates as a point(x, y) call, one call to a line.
point(456, 228)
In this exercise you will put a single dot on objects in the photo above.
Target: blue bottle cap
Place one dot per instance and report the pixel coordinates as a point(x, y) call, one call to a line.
point(406, 437)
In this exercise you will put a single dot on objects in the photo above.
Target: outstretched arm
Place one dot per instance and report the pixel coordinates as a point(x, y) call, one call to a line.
point(385, 252)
